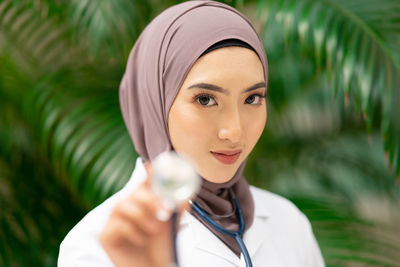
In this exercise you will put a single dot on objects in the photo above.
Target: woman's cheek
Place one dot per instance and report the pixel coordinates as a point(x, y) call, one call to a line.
point(192, 131)
point(255, 127)
point(194, 122)
point(260, 127)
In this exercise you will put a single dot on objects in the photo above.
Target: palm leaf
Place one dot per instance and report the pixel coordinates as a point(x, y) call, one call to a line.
point(111, 25)
point(34, 215)
point(357, 43)
point(77, 129)
point(79, 136)
point(82, 132)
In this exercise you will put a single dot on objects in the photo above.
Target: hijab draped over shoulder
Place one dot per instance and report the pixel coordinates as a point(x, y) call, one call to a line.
point(156, 68)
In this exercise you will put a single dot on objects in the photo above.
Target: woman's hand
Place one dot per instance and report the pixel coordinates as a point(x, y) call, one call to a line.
point(133, 235)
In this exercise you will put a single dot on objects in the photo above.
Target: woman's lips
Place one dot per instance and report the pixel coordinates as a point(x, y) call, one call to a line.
point(226, 156)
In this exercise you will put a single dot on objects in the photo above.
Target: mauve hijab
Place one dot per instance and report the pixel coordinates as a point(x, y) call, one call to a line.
point(156, 68)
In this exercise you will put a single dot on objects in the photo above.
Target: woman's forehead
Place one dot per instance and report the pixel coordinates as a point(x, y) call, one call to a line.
point(229, 62)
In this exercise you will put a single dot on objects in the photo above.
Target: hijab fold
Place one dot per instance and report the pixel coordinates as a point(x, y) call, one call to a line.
point(157, 66)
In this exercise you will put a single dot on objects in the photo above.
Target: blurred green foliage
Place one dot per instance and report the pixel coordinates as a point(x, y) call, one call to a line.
point(333, 115)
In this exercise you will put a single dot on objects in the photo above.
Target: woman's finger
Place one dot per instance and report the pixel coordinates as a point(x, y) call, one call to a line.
point(146, 199)
point(120, 232)
point(137, 214)
point(151, 203)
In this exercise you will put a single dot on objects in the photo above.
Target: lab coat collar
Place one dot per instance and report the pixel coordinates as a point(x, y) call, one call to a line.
point(260, 211)
point(253, 237)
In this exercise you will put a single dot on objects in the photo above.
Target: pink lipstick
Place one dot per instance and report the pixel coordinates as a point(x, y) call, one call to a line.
point(227, 156)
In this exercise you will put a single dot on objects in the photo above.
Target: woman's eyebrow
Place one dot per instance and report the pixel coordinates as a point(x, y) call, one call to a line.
point(213, 87)
point(256, 86)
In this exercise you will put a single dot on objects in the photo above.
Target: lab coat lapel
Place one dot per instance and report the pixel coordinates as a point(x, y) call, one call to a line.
point(254, 237)
point(210, 243)
point(257, 234)
point(206, 241)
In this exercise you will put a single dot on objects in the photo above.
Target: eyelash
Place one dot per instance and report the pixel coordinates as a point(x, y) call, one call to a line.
point(198, 96)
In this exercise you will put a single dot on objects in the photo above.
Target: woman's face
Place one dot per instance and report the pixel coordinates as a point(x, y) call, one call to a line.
point(220, 110)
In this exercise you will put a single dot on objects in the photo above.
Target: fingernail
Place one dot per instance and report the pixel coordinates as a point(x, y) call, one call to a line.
point(163, 215)
point(165, 210)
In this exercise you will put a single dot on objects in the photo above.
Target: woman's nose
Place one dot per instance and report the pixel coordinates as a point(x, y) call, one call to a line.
point(231, 128)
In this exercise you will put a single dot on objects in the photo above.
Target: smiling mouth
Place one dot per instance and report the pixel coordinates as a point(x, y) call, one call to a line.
point(227, 157)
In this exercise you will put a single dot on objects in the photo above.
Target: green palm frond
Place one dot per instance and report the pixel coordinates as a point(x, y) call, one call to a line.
point(358, 44)
point(64, 147)
point(345, 239)
point(72, 105)
point(32, 40)
point(81, 129)
point(35, 214)
point(111, 25)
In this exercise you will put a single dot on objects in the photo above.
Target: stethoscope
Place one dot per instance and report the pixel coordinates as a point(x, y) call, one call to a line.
point(237, 235)
point(176, 186)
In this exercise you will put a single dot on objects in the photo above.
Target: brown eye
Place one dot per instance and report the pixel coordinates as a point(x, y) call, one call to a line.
point(205, 100)
point(254, 99)
point(250, 99)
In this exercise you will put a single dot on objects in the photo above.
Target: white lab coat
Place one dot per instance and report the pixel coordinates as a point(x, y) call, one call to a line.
point(280, 236)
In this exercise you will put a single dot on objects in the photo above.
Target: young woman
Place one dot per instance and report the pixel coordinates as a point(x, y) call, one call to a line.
point(195, 83)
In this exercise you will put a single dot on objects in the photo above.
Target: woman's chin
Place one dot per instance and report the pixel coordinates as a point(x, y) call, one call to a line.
point(221, 174)
point(215, 171)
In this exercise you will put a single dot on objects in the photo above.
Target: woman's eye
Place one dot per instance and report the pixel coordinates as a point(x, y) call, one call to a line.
point(253, 99)
point(205, 100)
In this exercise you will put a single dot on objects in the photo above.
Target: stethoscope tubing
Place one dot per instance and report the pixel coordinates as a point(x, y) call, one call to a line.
point(174, 235)
point(235, 234)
